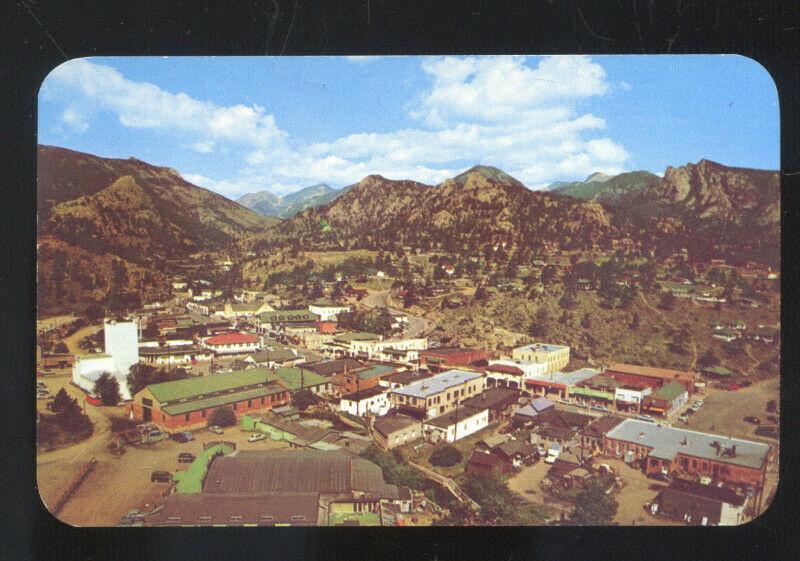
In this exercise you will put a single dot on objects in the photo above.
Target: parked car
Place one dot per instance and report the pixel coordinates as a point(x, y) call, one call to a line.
point(160, 477)
point(215, 429)
point(93, 400)
point(684, 418)
point(255, 437)
point(182, 436)
point(186, 457)
point(752, 420)
point(659, 476)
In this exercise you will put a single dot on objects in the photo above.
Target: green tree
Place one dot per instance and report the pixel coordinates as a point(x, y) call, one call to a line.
point(593, 507)
point(106, 387)
point(222, 416)
point(60, 401)
point(60, 348)
point(708, 359)
point(446, 456)
point(303, 399)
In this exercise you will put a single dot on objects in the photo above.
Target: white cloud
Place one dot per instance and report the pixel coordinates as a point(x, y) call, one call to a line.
point(518, 114)
point(72, 118)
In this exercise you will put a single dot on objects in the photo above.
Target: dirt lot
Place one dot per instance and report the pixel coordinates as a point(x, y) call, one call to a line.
point(116, 484)
point(529, 478)
point(637, 491)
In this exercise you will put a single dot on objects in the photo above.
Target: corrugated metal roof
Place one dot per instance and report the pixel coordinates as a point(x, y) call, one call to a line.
point(196, 387)
point(304, 470)
point(669, 392)
point(224, 399)
point(293, 377)
point(437, 384)
point(666, 442)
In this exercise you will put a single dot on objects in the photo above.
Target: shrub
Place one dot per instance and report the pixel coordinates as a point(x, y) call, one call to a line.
point(222, 416)
point(446, 456)
point(106, 387)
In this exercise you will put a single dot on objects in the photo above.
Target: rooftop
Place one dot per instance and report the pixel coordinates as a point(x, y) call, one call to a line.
point(330, 367)
point(190, 405)
point(667, 442)
point(651, 371)
point(294, 377)
point(171, 350)
point(356, 336)
point(299, 471)
point(455, 416)
point(437, 384)
point(364, 394)
point(373, 371)
point(236, 338)
point(388, 424)
point(191, 388)
point(287, 316)
point(669, 392)
point(541, 347)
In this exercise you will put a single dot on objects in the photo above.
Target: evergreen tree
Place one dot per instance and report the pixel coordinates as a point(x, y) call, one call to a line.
point(593, 507)
point(106, 387)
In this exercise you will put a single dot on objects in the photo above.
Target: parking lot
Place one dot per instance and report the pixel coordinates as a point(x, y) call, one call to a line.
point(117, 484)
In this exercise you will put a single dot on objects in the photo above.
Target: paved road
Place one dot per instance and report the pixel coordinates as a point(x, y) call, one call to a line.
point(417, 326)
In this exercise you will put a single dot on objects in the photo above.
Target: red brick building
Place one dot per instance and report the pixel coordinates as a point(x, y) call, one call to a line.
point(690, 454)
point(188, 404)
point(349, 381)
point(648, 376)
point(448, 358)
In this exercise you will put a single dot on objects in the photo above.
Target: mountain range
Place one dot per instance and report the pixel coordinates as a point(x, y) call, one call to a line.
point(287, 206)
point(97, 213)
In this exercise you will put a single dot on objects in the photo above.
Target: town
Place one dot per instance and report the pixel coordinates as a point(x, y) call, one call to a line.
point(231, 406)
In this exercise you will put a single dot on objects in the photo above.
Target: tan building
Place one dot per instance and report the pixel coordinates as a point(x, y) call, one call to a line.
point(391, 431)
point(437, 395)
point(555, 356)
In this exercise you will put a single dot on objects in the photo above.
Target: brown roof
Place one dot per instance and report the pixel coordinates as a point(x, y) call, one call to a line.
point(392, 423)
point(331, 367)
point(365, 394)
point(484, 459)
point(650, 371)
point(494, 398)
point(505, 369)
point(298, 471)
point(194, 509)
point(406, 377)
point(602, 425)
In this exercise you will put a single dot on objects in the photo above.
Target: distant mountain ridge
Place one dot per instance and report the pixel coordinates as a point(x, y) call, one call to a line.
point(287, 206)
point(605, 188)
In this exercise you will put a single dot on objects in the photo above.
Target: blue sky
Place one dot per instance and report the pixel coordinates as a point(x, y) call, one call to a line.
point(242, 124)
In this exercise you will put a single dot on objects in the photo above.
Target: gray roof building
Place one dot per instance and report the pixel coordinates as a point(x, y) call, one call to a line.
point(436, 384)
point(667, 442)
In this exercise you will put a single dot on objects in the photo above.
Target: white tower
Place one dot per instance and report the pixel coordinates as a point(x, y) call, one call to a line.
point(122, 343)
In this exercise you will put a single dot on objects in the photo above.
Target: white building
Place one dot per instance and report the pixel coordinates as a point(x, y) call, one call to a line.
point(511, 373)
point(373, 400)
point(556, 356)
point(455, 425)
point(627, 397)
point(88, 368)
point(121, 341)
point(327, 311)
point(232, 343)
point(389, 350)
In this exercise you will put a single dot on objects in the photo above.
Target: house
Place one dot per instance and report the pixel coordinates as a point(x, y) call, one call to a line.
point(555, 356)
point(373, 400)
point(348, 381)
point(326, 327)
point(629, 397)
point(273, 355)
point(437, 394)
point(668, 450)
point(446, 358)
point(557, 425)
point(344, 488)
point(515, 453)
point(593, 434)
point(339, 345)
point(395, 430)
point(455, 425)
point(558, 384)
point(525, 415)
point(665, 400)
point(725, 334)
point(187, 404)
point(296, 378)
point(232, 343)
point(700, 505)
point(401, 351)
point(511, 374)
point(403, 378)
point(327, 310)
point(174, 354)
point(330, 368)
point(598, 390)
point(485, 464)
point(233, 310)
point(649, 376)
point(498, 400)
point(276, 321)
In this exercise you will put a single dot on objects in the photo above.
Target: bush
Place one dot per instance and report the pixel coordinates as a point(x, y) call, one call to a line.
point(222, 416)
point(304, 399)
point(446, 456)
point(106, 387)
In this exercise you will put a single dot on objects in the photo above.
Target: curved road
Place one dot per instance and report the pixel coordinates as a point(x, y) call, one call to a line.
point(417, 326)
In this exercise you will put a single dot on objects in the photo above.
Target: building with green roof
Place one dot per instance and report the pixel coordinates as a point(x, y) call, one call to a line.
point(666, 399)
point(188, 404)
